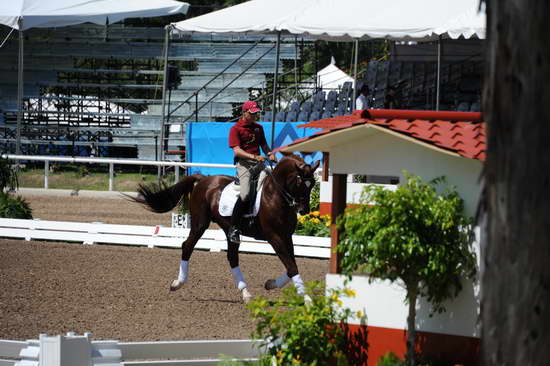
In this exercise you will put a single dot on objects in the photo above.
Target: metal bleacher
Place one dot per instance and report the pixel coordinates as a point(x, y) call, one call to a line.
point(90, 76)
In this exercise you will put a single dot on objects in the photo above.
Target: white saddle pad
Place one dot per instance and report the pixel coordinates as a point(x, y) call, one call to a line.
point(229, 197)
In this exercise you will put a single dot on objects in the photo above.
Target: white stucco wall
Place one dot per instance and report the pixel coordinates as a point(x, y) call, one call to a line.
point(386, 154)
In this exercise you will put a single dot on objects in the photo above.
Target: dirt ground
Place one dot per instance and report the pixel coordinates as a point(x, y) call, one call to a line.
point(118, 292)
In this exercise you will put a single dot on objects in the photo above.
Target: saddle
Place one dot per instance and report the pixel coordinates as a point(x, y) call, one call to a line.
point(230, 194)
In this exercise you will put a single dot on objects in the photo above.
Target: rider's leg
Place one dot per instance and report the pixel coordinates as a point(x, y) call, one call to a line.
point(244, 178)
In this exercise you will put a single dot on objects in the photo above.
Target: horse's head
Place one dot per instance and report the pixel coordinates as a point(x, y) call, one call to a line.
point(299, 181)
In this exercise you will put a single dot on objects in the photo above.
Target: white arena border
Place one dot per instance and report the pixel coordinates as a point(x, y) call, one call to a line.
point(150, 236)
point(78, 350)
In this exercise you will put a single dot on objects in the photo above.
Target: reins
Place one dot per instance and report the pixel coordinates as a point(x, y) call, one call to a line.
point(289, 199)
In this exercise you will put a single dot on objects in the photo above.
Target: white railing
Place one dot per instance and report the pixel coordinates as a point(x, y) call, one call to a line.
point(78, 350)
point(111, 163)
point(150, 236)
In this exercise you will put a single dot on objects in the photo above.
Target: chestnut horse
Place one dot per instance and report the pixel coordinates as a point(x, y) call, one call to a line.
point(285, 191)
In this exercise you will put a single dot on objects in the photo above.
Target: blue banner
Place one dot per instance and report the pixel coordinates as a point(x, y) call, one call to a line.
point(207, 142)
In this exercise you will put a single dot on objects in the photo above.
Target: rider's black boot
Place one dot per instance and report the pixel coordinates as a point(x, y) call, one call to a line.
point(234, 233)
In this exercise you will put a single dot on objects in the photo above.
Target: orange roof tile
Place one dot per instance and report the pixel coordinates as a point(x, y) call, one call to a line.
point(460, 132)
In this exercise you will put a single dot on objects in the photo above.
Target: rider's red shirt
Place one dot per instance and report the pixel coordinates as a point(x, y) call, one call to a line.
point(250, 137)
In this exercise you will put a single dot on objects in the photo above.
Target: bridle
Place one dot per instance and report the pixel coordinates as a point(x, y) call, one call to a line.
point(289, 198)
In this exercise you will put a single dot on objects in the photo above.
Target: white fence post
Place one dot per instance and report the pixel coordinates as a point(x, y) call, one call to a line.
point(69, 350)
point(111, 175)
point(46, 173)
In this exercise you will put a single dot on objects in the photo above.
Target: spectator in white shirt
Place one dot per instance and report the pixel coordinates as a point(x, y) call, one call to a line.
point(362, 102)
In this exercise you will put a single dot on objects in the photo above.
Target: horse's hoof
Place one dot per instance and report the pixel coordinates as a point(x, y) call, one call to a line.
point(247, 296)
point(176, 285)
point(270, 285)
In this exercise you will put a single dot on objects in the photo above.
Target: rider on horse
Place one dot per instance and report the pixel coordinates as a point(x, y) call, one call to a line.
point(246, 138)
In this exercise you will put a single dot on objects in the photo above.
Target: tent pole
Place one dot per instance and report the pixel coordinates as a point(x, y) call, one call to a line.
point(19, 89)
point(164, 88)
point(275, 77)
point(355, 74)
point(438, 86)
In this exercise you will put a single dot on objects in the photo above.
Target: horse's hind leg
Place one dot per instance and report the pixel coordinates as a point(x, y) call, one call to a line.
point(199, 224)
point(233, 258)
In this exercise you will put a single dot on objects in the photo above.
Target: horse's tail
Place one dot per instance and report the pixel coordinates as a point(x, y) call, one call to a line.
point(161, 198)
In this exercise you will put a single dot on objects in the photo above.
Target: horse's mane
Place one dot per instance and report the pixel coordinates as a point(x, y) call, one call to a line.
point(294, 157)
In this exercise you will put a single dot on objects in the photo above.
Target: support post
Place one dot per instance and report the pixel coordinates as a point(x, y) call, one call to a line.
point(167, 29)
point(275, 77)
point(355, 75)
point(19, 89)
point(176, 173)
point(438, 86)
point(326, 162)
point(339, 186)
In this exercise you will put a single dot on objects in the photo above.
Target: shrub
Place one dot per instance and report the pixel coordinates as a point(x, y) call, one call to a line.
point(312, 334)
point(315, 196)
point(390, 359)
point(8, 175)
point(313, 224)
point(15, 207)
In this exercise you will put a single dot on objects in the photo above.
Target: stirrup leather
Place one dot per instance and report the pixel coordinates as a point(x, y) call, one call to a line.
point(234, 235)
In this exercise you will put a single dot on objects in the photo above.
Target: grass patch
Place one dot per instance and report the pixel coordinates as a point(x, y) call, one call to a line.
point(80, 177)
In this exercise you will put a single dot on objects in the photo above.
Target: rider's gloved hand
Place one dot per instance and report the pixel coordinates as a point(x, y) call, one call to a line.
point(272, 156)
point(259, 158)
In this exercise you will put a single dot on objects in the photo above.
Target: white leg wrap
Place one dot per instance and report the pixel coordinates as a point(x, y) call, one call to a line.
point(299, 284)
point(184, 270)
point(282, 280)
point(238, 278)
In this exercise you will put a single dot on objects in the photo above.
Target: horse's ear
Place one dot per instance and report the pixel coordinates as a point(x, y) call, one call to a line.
point(315, 165)
point(300, 165)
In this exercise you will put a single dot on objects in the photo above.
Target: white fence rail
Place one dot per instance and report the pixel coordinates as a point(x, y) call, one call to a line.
point(150, 236)
point(75, 350)
point(111, 163)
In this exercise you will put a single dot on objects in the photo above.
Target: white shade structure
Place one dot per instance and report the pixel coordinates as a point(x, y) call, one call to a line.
point(341, 20)
point(26, 14)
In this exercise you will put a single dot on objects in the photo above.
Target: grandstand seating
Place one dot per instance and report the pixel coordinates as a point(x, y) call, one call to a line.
point(326, 114)
point(280, 116)
point(314, 116)
point(291, 116)
point(266, 116)
point(303, 116)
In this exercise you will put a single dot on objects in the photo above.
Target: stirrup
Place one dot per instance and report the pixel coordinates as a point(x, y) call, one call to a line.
point(234, 235)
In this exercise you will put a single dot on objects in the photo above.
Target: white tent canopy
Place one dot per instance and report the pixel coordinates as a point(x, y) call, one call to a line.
point(347, 19)
point(332, 78)
point(25, 14)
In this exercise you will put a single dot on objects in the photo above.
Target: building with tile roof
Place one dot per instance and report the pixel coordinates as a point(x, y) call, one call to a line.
point(382, 144)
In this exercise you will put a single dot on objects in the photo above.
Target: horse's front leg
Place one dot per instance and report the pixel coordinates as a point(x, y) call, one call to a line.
point(233, 258)
point(284, 248)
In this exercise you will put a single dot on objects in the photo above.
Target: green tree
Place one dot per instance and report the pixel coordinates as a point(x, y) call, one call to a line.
point(415, 235)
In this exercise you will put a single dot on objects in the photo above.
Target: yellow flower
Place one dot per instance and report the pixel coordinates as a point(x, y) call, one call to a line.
point(350, 292)
point(360, 314)
point(315, 220)
point(334, 297)
point(301, 219)
point(315, 213)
